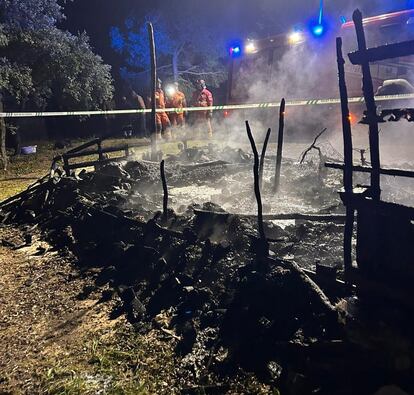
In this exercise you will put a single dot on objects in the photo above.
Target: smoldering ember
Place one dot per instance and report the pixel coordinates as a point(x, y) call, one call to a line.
point(206, 198)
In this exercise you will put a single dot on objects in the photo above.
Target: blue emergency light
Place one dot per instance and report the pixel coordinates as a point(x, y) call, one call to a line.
point(318, 30)
point(235, 51)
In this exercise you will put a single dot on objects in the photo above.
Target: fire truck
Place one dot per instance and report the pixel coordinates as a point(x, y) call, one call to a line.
point(302, 64)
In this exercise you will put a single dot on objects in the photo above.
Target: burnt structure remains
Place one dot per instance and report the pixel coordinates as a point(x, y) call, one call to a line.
point(234, 292)
point(385, 250)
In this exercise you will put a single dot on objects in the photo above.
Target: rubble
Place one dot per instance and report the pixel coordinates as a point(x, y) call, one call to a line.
point(198, 276)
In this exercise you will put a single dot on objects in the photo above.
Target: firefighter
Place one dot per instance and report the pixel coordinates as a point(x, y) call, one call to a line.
point(162, 120)
point(203, 98)
point(176, 99)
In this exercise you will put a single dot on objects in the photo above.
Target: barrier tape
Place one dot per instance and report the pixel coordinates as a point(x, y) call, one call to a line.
point(293, 103)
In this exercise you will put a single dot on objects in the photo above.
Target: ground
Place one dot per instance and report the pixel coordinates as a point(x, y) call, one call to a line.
point(56, 335)
point(61, 334)
point(24, 170)
point(57, 338)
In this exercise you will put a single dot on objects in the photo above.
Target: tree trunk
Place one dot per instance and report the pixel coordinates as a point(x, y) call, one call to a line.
point(3, 153)
point(175, 66)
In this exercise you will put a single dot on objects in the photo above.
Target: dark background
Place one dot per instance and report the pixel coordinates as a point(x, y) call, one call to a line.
point(267, 16)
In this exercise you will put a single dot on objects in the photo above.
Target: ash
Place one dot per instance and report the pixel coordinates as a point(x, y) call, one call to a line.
point(198, 274)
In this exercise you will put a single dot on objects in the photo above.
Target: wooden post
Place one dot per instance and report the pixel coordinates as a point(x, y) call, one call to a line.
point(368, 91)
point(66, 164)
point(3, 152)
point(153, 123)
point(100, 154)
point(263, 155)
point(348, 162)
point(279, 145)
point(165, 189)
point(256, 184)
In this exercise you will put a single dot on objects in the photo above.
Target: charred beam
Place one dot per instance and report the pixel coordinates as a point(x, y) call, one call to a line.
point(315, 293)
point(367, 169)
point(280, 145)
point(93, 152)
point(338, 218)
point(383, 52)
point(263, 155)
point(368, 90)
point(94, 163)
point(256, 183)
point(348, 159)
point(165, 190)
point(205, 164)
point(85, 145)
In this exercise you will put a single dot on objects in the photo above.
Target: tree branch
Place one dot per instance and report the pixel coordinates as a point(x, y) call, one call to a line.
point(201, 72)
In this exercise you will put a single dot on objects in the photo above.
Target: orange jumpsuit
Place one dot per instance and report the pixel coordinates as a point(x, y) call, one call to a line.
point(177, 101)
point(204, 98)
point(162, 120)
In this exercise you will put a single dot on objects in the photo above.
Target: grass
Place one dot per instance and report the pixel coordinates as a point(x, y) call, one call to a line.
point(126, 364)
point(131, 364)
point(24, 170)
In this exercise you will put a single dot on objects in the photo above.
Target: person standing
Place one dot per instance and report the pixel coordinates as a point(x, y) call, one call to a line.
point(176, 99)
point(161, 119)
point(203, 98)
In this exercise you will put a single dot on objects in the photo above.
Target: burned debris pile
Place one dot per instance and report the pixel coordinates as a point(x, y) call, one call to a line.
point(198, 276)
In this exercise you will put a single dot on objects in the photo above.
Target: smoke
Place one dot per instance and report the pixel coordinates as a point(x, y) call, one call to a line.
point(303, 72)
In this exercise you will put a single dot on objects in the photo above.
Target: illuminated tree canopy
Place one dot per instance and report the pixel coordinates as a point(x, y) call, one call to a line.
point(188, 47)
point(42, 66)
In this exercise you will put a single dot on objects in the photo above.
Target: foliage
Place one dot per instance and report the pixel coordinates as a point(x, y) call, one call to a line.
point(15, 79)
point(187, 45)
point(42, 66)
point(30, 14)
point(64, 71)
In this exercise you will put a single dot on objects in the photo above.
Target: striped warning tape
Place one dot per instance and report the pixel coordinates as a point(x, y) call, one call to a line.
point(293, 103)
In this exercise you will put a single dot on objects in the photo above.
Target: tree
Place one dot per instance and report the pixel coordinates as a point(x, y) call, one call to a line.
point(43, 67)
point(64, 72)
point(30, 14)
point(188, 45)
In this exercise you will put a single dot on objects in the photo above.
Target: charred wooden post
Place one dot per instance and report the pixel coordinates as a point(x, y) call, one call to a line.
point(88, 144)
point(3, 152)
point(153, 123)
point(368, 91)
point(280, 145)
point(362, 156)
point(165, 189)
point(66, 165)
point(257, 185)
point(348, 161)
point(263, 155)
point(100, 153)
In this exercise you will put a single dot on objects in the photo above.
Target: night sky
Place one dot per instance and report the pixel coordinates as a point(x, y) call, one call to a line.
point(268, 16)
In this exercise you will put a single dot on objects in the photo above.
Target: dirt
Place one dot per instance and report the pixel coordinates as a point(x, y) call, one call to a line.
point(58, 334)
point(202, 279)
point(42, 318)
